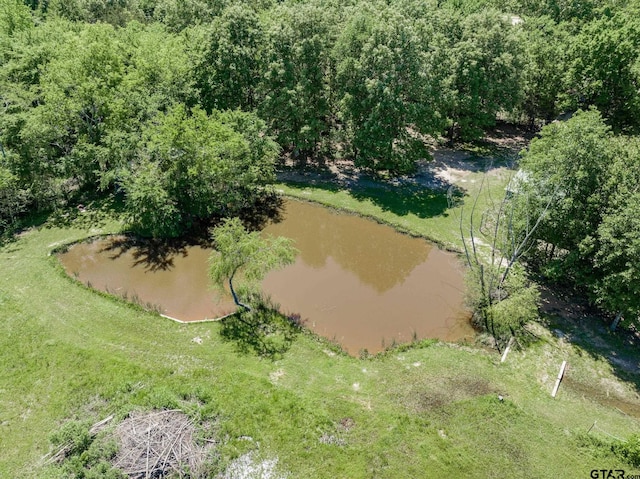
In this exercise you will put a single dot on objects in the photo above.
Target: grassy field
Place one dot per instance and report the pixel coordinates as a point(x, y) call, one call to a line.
point(70, 354)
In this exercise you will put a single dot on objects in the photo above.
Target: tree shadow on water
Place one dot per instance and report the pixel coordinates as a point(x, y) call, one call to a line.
point(153, 254)
point(267, 208)
point(262, 331)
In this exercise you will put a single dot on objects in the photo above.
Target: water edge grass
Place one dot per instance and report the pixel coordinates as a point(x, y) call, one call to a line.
point(430, 411)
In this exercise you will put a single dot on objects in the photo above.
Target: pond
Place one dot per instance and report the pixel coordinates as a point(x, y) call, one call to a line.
point(359, 283)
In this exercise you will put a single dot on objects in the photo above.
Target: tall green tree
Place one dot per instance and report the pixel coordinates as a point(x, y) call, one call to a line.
point(570, 160)
point(604, 69)
point(231, 65)
point(296, 93)
point(544, 67)
point(61, 81)
point(193, 167)
point(386, 91)
point(485, 65)
point(616, 245)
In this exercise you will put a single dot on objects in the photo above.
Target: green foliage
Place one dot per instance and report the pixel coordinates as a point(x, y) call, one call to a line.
point(73, 434)
point(15, 16)
point(86, 456)
point(248, 255)
point(604, 68)
point(545, 64)
point(13, 200)
point(485, 58)
point(229, 70)
point(296, 92)
point(177, 15)
point(194, 166)
point(629, 450)
point(502, 305)
point(115, 12)
point(568, 162)
point(590, 233)
point(150, 208)
point(385, 85)
point(616, 245)
point(518, 306)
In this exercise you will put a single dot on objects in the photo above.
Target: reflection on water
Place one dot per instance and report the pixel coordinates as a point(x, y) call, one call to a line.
point(174, 280)
point(364, 284)
point(355, 281)
point(377, 255)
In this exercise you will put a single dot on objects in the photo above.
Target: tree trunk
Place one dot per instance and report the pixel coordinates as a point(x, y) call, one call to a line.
point(616, 321)
point(235, 296)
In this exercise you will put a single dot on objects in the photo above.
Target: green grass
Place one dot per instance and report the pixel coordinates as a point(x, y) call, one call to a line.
point(68, 353)
point(411, 209)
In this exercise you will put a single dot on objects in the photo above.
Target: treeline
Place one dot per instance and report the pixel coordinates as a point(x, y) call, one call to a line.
point(581, 186)
point(182, 107)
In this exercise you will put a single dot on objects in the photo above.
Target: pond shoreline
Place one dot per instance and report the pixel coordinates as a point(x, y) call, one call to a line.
point(386, 264)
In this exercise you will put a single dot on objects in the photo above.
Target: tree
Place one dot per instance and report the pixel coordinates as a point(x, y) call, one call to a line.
point(485, 64)
point(604, 68)
point(192, 166)
point(569, 161)
point(15, 16)
point(544, 68)
point(230, 69)
point(296, 97)
point(499, 292)
point(386, 90)
point(247, 255)
point(616, 245)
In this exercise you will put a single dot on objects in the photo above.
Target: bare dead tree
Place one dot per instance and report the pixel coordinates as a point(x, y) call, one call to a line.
point(509, 233)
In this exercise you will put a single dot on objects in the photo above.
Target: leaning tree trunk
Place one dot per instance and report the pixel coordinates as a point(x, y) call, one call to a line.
point(235, 296)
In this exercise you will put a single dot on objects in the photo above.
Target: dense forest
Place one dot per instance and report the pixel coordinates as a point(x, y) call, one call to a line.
point(181, 110)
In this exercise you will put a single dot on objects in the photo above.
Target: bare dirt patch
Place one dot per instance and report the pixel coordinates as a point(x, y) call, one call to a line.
point(440, 392)
point(499, 149)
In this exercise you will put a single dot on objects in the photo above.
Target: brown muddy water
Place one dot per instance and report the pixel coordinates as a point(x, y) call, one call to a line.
point(356, 282)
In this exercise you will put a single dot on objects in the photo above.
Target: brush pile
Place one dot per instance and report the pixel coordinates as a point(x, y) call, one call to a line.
point(159, 444)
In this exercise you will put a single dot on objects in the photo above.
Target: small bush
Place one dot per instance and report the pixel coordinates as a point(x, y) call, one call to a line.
point(628, 450)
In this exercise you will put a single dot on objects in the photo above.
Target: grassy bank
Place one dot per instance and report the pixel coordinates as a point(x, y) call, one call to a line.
point(412, 209)
point(68, 353)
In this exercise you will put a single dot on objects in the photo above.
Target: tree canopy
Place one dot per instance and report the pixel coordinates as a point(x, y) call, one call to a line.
point(589, 235)
point(180, 109)
point(247, 255)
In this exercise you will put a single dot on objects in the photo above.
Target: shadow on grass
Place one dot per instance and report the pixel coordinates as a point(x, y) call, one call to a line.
point(262, 331)
point(401, 200)
point(93, 214)
point(572, 318)
point(404, 200)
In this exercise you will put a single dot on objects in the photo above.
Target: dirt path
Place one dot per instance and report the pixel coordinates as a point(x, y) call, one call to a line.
point(498, 150)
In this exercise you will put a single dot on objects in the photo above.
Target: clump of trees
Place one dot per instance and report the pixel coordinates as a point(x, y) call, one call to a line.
point(95, 94)
point(589, 237)
point(191, 166)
